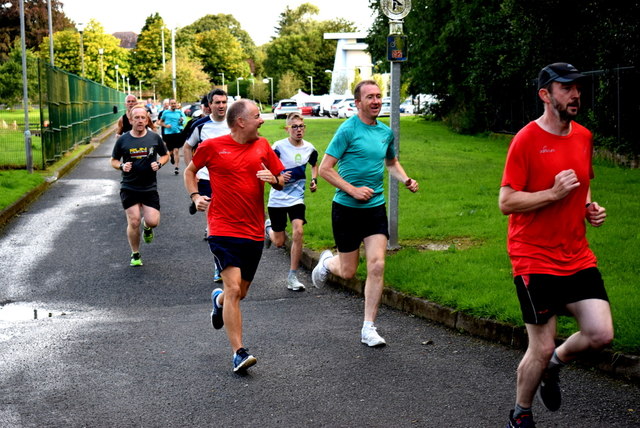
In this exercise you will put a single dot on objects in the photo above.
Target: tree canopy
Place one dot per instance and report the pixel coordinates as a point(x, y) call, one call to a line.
point(300, 47)
point(36, 23)
point(481, 59)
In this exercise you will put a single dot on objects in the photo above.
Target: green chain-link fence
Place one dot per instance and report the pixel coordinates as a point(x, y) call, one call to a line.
point(64, 110)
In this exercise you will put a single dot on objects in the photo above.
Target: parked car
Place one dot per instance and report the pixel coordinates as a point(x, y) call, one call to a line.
point(347, 110)
point(339, 103)
point(385, 110)
point(285, 107)
point(307, 108)
point(407, 107)
point(189, 108)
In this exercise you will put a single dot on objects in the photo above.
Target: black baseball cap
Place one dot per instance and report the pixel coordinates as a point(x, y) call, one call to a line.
point(558, 72)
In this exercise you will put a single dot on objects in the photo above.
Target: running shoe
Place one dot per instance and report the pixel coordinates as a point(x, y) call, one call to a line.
point(294, 284)
point(216, 313)
point(370, 337)
point(549, 390)
point(320, 272)
point(147, 235)
point(242, 360)
point(267, 238)
point(176, 171)
point(523, 421)
point(216, 275)
point(136, 260)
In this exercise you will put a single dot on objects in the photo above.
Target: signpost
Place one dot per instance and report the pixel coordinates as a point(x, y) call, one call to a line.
point(397, 45)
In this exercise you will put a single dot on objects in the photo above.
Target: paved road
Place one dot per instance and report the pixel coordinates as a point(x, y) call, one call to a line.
point(134, 346)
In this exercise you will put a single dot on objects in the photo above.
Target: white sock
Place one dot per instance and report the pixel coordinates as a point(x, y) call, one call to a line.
point(218, 300)
point(367, 324)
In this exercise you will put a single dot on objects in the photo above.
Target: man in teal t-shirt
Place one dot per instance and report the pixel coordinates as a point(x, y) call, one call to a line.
point(172, 121)
point(361, 148)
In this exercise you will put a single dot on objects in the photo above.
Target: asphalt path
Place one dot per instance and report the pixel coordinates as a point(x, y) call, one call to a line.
point(115, 346)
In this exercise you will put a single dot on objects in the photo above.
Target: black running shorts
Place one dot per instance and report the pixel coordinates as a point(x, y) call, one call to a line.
point(543, 296)
point(238, 252)
point(278, 216)
point(352, 225)
point(130, 198)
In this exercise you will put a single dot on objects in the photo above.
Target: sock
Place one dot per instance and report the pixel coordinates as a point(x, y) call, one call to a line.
point(218, 300)
point(518, 411)
point(293, 272)
point(367, 324)
point(555, 363)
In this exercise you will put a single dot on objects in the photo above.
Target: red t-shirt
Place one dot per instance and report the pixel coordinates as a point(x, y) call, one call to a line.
point(237, 206)
point(550, 240)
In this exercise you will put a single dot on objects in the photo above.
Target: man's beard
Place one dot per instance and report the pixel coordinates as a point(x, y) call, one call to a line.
point(563, 112)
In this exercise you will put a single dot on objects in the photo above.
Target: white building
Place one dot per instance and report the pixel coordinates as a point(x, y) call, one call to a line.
point(351, 55)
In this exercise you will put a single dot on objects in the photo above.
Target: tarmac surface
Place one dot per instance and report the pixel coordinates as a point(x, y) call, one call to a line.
point(115, 346)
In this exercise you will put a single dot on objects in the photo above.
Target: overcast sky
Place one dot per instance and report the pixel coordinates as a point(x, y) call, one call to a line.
point(258, 18)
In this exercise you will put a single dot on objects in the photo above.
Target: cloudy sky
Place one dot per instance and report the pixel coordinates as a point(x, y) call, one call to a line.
point(258, 18)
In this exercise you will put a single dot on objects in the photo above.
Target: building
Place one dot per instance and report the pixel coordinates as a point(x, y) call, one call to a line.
point(351, 56)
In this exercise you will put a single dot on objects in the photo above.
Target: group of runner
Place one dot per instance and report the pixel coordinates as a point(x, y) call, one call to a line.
point(545, 191)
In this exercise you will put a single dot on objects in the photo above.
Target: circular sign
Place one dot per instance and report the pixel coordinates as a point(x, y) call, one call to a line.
point(396, 9)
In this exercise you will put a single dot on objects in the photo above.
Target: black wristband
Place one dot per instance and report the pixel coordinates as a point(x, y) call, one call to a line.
point(194, 193)
point(159, 164)
point(121, 167)
point(315, 180)
point(587, 206)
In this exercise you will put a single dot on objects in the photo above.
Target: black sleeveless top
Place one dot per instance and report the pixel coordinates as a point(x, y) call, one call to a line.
point(126, 125)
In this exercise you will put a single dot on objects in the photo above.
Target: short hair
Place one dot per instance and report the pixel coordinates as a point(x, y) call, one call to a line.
point(237, 109)
point(216, 91)
point(141, 106)
point(205, 101)
point(358, 88)
point(293, 116)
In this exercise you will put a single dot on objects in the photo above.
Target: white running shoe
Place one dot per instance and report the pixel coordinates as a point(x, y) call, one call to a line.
point(370, 337)
point(294, 284)
point(320, 272)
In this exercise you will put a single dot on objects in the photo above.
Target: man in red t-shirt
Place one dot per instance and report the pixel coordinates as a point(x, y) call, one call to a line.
point(239, 164)
point(546, 193)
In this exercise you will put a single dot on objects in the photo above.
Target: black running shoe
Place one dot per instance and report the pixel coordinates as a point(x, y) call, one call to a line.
point(549, 390)
point(242, 360)
point(523, 421)
point(216, 313)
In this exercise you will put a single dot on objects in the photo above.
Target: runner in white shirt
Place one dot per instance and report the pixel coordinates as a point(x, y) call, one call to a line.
point(294, 153)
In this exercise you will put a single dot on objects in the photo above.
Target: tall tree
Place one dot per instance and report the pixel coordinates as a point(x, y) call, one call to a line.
point(242, 47)
point(146, 58)
point(191, 82)
point(36, 23)
point(66, 45)
point(220, 52)
point(300, 47)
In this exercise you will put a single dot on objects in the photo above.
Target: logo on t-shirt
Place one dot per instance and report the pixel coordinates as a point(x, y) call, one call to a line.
point(546, 150)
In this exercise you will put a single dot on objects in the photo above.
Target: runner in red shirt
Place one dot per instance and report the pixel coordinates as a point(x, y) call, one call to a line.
point(545, 188)
point(239, 164)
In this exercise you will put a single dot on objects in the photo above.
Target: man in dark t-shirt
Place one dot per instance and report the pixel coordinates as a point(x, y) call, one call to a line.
point(139, 154)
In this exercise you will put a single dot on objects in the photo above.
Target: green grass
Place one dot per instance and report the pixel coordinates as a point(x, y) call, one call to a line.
point(12, 152)
point(457, 206)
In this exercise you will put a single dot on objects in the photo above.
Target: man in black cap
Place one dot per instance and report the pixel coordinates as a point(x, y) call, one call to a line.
point(546, 193)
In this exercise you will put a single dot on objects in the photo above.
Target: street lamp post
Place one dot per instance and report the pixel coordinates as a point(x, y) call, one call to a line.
point(80, 30)
point(222, 74)
point(331, 85)
point(140, 89)
point(117, 80)
point(238, 86)
point(311, 77)
point(267, 80)
point(101, 52)
point(128, 85)
point(253, 87)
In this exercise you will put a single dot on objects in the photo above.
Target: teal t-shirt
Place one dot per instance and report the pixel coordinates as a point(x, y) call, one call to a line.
point(361, 150)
